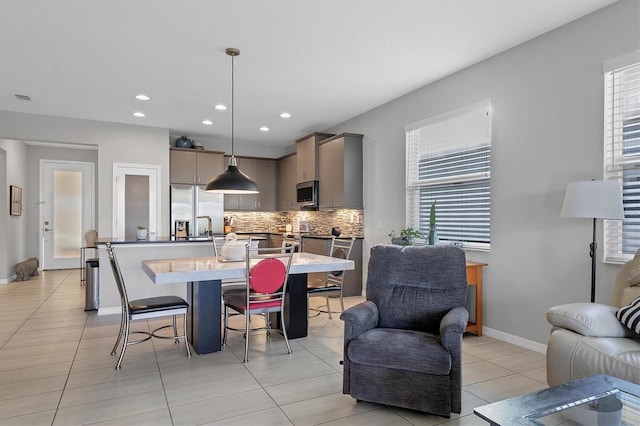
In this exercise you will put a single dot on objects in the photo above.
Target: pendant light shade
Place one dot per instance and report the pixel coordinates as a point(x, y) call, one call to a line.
point(232, 181)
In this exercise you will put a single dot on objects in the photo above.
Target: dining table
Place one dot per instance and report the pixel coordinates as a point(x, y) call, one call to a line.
point(203, 277)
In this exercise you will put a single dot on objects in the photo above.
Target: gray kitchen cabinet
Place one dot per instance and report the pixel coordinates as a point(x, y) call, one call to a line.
point(267, 177)
point(263, 173)
point(352, 285)
point(194, 167)
point(340, 171)
point(275, 240)
point(287, 182)
point(307, 154)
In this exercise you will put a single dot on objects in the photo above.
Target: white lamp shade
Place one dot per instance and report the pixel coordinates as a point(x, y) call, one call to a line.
point(599, 199)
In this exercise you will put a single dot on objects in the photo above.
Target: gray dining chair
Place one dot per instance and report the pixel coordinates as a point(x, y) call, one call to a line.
point(138, 309)
point(331, 285)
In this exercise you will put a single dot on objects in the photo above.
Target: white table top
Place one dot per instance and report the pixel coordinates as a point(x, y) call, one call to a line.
point(167, 271)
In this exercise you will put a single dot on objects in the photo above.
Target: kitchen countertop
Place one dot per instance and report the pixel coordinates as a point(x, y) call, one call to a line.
point(255, 236)
point(161, 240)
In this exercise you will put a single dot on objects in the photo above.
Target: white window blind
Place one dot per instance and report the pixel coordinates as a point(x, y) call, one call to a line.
point(449, 162)
point(622, 152)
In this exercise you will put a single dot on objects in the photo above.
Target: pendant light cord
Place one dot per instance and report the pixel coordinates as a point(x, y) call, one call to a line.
point(233, 109)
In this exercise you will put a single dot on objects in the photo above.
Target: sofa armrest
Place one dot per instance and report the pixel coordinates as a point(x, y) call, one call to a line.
point(588, 319)
point(453, 324)
point(358, 319)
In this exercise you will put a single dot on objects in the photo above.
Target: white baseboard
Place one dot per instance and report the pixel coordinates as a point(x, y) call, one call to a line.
point(8, 280)
point(112, 310)
point(515, 340)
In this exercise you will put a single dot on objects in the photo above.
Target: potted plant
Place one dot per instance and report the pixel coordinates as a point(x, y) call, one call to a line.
point(141, 233)
point(433, 231)
point(406, 236)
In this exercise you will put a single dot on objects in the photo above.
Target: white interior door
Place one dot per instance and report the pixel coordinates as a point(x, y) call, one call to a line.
point(136, 199)
point(67, 199)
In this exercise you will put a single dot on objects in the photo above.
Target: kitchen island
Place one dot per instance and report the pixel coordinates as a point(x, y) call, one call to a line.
point(130, 255)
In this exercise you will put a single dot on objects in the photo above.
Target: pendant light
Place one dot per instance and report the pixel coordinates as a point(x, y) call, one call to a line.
point(232, 181)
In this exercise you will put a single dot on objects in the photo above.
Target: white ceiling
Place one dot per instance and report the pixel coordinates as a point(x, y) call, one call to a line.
point(323, 61)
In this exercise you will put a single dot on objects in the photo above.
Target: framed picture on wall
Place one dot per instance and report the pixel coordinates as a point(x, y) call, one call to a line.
point(15, 206)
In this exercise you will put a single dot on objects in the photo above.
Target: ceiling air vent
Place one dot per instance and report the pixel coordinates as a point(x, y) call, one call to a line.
point(23, 98)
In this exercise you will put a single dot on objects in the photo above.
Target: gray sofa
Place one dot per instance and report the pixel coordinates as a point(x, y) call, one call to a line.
point(403, 345)
point(587, 338)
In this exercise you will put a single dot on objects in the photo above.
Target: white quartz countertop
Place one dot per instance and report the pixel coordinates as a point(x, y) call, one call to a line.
point(167, 271)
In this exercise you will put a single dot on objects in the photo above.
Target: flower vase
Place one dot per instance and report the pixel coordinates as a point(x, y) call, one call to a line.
point(433, 235)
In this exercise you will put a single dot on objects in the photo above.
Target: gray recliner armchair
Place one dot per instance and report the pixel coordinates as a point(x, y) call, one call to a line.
point(403, 345)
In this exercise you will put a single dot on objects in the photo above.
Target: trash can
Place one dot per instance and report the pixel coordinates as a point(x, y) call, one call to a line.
point(92, 289)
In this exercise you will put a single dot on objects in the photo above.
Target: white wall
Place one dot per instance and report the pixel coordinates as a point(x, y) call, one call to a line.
point(547, 97)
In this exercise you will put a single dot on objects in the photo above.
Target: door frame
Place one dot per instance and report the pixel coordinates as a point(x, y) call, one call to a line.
point(119, 171)
point(88, 204)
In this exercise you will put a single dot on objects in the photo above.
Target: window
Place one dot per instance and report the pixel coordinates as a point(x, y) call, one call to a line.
point(449, 163)
point(622, 152)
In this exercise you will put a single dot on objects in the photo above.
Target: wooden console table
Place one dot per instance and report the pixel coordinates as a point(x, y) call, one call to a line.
point(474, 278)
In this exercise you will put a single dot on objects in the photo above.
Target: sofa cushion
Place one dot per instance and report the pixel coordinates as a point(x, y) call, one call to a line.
point(588, 319)
point(400, 349)
point(630, 315)
point(634, 272)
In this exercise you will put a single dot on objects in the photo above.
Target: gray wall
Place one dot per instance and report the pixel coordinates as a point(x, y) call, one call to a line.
point(13, 247)
point(547, 97)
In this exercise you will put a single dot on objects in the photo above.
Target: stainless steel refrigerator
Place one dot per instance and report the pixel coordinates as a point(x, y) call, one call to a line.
point(195, 212)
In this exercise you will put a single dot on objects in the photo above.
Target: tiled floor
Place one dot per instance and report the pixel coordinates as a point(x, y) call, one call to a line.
point(55, 369)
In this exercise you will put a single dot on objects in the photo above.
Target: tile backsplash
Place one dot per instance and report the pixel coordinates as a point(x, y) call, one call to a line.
point(320, 222)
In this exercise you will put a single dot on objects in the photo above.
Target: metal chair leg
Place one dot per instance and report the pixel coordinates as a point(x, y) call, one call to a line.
point(125, 343)
point(175, 330)
point(247, 320)
point(184, 331)
point(284, 333)
point(122, 320)
point(226, 325)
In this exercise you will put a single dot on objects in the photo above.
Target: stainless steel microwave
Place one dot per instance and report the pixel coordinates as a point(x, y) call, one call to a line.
point(307, 194)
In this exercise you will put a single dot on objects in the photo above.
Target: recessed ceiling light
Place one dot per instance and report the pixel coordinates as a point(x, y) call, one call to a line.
point(221, 107)
point(139, 114)
point(264, 129)
point(142, 97)
point(285, 115)
point(207, 122)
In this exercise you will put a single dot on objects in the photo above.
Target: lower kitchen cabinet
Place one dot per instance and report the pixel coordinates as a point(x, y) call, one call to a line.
point(352, 285)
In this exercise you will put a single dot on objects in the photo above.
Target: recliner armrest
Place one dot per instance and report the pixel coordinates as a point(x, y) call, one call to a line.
point(359, 318)
point(588, 319)
point(452, 325)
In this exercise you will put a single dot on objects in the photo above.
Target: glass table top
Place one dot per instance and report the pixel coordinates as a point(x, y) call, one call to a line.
point(611, 408)
point(596, 400)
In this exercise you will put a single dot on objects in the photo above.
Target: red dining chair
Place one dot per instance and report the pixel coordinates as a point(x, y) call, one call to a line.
point(267, 272)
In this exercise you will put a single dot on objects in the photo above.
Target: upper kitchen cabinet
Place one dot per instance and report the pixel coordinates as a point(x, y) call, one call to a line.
point(287, 182)
point(194, 167)
point(307, 156)
point(267, 178)
point(263, 173)
point(340, 171)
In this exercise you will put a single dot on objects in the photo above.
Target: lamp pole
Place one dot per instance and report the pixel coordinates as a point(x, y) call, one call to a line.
point(592, 252)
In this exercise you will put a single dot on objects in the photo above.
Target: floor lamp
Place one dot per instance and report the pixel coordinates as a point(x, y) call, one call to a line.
point(593, 199)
